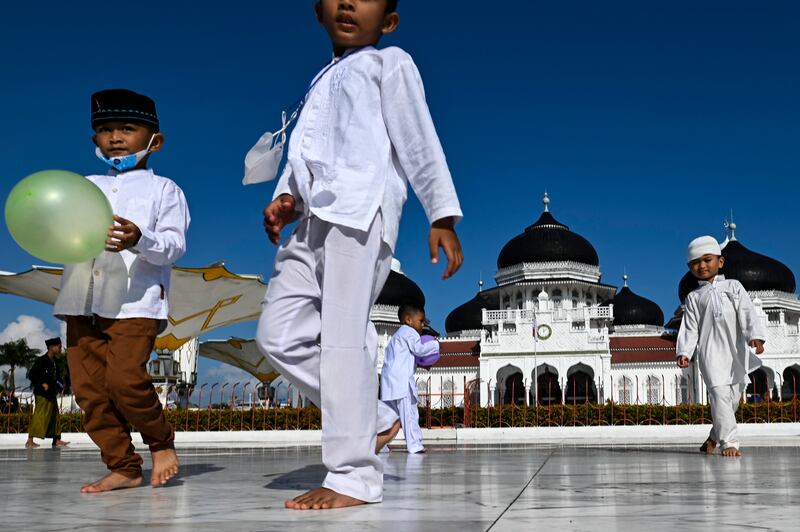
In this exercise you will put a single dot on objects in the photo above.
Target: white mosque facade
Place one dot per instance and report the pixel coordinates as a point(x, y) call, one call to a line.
point(551, 332)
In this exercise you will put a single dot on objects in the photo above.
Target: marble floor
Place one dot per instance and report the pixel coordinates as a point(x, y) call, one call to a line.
point(458, 488)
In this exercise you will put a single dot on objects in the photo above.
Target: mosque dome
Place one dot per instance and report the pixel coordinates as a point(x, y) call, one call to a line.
point(547, 240)
point(467, 317)
point(399, 290)
point(633, 309)
point(754, 270)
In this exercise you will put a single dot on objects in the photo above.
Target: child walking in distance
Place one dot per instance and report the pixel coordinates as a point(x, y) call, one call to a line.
point(398, 387)
point(719, 327)
point(47, 384)
point(364, 131)
point(116, 304)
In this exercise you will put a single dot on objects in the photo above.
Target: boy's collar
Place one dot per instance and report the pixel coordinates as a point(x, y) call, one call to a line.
point(112, 172)
point(350, 51)
point(718, 277)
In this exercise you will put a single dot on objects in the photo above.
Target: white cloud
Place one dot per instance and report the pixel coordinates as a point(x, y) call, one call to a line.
point(31, 328)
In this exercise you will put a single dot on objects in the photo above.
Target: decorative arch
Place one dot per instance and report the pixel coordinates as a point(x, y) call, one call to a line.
point(448, 392)
point(653, 388)
point(548, 389)
point(790, 389)
point(625, 390)
point(510, 384)
point(423, 392)
point(581, 387)
point(761, 386)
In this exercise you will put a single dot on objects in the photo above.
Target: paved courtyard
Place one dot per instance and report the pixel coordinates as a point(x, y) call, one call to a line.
point(460, 488)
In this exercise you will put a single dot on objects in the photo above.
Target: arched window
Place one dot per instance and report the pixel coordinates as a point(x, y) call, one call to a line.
point(625, 390)
point(448, 392)
point(684, 384)
point(653, 384)
point(423, 393)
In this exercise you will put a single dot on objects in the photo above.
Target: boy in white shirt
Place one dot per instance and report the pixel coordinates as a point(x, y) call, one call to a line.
point(116, 304)
point(364, 130)
point(720, 326)
point(398, 387)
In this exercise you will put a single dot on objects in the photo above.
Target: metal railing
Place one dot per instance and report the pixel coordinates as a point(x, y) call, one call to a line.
point(236, 406)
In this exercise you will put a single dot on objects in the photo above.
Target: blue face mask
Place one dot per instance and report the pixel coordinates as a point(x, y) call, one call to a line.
point(125, 162)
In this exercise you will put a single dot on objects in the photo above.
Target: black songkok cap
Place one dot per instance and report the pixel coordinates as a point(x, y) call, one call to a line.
point(52, 341)
point(123, 105)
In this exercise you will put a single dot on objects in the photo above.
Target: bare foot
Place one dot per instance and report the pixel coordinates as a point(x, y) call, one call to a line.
point(322, 499)
point(30, 444)
point(731, 451)
point(386, 436)
point(112, 481)
point(708, 446)
point(60, 443)
point(165, 466)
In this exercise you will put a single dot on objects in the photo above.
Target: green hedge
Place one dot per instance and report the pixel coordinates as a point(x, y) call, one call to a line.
point(498, 416)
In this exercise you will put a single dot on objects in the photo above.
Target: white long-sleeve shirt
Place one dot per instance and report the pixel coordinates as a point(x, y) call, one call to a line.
point(399, 363)
point(132, 283)
point(718, 324)
point(364, 131)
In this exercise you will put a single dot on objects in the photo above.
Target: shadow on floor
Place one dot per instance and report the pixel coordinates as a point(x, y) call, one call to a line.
point(186, 471)
point(306, 478)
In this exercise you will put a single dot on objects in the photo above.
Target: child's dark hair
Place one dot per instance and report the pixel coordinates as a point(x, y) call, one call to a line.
point(407, 309)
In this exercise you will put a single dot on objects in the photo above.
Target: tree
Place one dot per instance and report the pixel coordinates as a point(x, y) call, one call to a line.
point(17, 354)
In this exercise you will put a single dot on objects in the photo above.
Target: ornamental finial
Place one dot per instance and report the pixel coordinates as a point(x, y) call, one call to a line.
point(730, 227)
point(546, 201)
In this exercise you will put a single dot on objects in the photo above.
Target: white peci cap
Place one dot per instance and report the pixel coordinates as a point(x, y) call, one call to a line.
point(703, 245)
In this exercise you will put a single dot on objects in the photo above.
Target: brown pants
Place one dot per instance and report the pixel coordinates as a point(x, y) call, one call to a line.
point(108, 366)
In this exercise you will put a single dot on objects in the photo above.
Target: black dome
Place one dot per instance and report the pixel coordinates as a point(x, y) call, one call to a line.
point(632, 309)
point(399, 289)
point(467, 317)
point(754, 270)
point(547, 240)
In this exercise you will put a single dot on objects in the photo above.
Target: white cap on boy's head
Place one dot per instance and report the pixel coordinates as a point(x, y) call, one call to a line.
point(703, 245)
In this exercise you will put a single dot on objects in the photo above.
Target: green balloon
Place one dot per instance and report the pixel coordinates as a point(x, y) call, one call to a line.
point(59, 216)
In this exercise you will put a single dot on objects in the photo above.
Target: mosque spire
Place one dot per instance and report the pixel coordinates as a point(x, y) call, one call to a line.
point(730, 228)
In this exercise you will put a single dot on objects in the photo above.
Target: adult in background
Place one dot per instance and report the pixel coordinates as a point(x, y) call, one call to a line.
point(47, 384)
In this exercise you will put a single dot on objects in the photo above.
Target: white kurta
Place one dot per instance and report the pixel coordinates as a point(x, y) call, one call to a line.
point(364, 131)
point(718, 324)
point(133, 283)
point(399, 363)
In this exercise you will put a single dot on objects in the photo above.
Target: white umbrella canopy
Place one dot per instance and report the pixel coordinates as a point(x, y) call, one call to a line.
point(241, 353)
point(200, 299)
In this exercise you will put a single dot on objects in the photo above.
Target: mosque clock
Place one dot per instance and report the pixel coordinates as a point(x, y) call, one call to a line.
point(544, 331)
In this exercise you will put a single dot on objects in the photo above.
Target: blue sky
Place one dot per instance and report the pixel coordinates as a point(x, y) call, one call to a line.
point(647, 122)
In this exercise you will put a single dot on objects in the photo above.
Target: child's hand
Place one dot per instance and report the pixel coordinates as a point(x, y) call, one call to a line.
point(278, 214)
point(683, 362)
point(122, 236)
point(443, 235)
point(759, 346)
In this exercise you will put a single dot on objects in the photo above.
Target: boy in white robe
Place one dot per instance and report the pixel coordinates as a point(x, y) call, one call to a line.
point(398, 386)
point(719, 326)
point(364, 132)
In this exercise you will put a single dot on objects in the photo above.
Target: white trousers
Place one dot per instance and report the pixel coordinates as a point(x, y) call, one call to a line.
point(724, 401)
point(406, 409)
point(315, 330)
